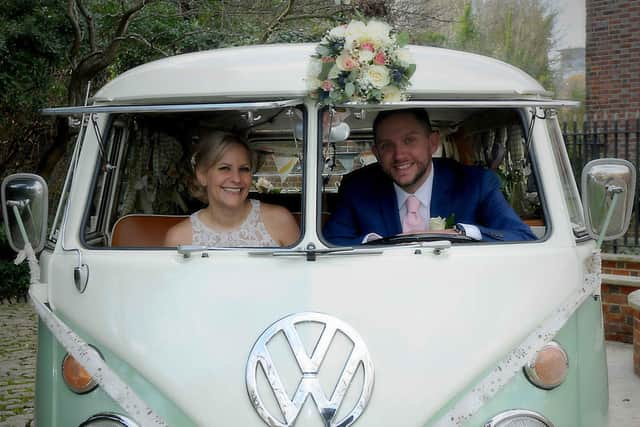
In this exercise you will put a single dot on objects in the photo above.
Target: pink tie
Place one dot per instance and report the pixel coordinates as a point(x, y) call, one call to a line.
point(412, 222)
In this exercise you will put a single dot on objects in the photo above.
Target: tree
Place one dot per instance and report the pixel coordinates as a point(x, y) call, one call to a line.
point(33, 38)
point(518, 32)
point(466, 34)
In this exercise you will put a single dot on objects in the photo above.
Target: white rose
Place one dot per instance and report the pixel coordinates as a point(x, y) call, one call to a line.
point(365, 56)
point(437, 223)
point(404, 57)
point(354, 32)
point(391, 93)
point(379, 32)
point(377, 76)
point(313, 83)
point(338, 32)
point(264, 185)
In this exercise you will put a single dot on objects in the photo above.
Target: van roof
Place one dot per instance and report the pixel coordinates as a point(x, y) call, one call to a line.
point(278, 71)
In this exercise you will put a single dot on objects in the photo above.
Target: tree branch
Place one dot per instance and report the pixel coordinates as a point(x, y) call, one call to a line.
point(91, 27)
point(310, 16)
point(148, 43)
point(277, 21)
point(123, 25)
point(77, 33)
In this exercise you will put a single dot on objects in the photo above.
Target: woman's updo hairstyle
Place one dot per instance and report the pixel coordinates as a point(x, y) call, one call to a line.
point(209, 150)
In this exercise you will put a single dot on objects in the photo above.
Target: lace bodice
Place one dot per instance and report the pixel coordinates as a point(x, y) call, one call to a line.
point(252, 232)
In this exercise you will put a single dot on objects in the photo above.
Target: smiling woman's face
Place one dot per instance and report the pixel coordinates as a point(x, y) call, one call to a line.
point(228, 181)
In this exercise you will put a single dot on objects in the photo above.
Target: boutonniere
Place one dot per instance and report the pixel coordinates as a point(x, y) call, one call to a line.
point(437, 223)
point(450, 221)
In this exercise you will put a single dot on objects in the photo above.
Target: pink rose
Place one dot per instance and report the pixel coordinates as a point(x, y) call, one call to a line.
point(345, 62)
point(379, 58)
point(327, 85)
point(327, 59)
point(367, 46)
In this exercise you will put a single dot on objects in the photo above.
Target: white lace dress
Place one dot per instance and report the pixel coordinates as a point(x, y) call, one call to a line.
point(252, 232)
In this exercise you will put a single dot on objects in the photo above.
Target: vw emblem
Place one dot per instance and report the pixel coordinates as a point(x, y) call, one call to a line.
point(310, 367)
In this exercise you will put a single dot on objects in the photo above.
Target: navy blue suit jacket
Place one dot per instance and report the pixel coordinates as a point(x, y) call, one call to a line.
point(367, 204)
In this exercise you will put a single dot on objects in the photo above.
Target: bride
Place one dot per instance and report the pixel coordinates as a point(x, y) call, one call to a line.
point(223, 165)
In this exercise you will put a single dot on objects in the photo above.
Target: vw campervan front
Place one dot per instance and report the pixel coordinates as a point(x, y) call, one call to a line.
point(485, 333)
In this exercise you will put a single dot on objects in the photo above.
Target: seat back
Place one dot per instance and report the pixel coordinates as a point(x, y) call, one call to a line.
point(142, 231)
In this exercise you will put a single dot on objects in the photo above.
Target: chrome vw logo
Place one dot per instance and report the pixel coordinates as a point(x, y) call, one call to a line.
point(310, 366)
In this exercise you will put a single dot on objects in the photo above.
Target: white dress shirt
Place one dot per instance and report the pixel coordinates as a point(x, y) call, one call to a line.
point(423, 194)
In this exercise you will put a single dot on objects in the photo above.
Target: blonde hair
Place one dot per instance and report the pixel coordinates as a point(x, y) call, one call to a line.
point(210, 149)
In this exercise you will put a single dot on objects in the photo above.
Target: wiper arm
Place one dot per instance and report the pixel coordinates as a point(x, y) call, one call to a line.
point(311, 252)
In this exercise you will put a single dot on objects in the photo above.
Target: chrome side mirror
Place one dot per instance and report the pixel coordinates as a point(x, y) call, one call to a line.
point(608, 189)
point(24, 208)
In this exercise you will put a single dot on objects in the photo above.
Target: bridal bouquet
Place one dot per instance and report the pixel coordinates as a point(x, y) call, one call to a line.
point(360, 62)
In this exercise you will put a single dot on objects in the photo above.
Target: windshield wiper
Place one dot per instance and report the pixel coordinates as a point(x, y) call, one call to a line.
point(311, 252)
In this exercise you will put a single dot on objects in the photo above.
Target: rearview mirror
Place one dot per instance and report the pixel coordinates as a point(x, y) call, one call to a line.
point(608, 189)
point(24, 208)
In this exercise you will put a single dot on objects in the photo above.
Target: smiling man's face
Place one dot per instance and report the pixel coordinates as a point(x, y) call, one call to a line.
point(404, 148)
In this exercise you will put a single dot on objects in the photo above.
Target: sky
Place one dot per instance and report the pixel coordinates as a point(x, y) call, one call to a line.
point(571, 23)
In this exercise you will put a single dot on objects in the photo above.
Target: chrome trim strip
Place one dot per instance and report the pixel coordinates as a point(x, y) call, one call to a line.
point(109, 416)
point(168, 108)
point(508, 103)
point(515, 413)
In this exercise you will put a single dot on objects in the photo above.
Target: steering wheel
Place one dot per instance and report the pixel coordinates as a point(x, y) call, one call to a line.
point(420, 237)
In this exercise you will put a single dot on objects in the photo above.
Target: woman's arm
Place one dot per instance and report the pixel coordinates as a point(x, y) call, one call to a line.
point(179, 234)
point(280, 224)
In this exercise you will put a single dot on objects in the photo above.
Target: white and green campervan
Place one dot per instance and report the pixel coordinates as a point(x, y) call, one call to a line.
point(132, 333)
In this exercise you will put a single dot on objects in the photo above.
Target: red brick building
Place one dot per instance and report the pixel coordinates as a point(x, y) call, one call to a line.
point(613, 57)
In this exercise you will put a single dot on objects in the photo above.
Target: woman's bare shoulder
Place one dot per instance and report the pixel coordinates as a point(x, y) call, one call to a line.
point(179, 234)
point(280, 223)
point(276, 213)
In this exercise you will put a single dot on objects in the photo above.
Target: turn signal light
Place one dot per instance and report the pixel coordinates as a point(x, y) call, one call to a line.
point(76, 377)
point(549, 368)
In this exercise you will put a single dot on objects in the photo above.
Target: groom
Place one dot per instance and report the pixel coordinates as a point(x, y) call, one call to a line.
point(407, 187)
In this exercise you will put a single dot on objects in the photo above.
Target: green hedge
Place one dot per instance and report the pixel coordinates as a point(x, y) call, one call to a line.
point(14, 279)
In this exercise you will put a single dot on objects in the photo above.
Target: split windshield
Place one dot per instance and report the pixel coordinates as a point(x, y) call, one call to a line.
point(146, 174)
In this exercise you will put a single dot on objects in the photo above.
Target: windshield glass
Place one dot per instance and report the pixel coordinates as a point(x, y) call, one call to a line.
point(569, 188)
point(230, 178)
point(468, 168)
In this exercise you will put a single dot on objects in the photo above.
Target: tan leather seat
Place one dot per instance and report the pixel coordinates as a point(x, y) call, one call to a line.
point(140, 230)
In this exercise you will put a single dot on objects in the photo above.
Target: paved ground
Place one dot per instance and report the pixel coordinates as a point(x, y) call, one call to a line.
point(624, 386)
point(17, 363)
point(17, 358)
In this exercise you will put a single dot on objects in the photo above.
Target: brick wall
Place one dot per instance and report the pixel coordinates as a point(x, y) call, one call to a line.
point(612, 56)
point(620, 277)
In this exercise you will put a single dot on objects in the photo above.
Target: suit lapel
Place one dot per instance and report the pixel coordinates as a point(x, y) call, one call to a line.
point(441, 190)
point(388, 204)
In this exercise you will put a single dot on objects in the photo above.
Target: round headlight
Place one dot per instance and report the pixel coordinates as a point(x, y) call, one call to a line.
point(549, 368)
point(518, 418)
point(76, 377)
point(109, 419)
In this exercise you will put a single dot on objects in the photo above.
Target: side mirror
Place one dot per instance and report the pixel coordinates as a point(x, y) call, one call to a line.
point(608, 189)
point(24, 208)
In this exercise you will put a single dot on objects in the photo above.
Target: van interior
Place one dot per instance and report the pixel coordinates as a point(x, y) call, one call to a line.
point(143, 185)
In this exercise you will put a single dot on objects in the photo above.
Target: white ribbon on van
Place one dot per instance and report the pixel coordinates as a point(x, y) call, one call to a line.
point(513, 362)
point(88, 357)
